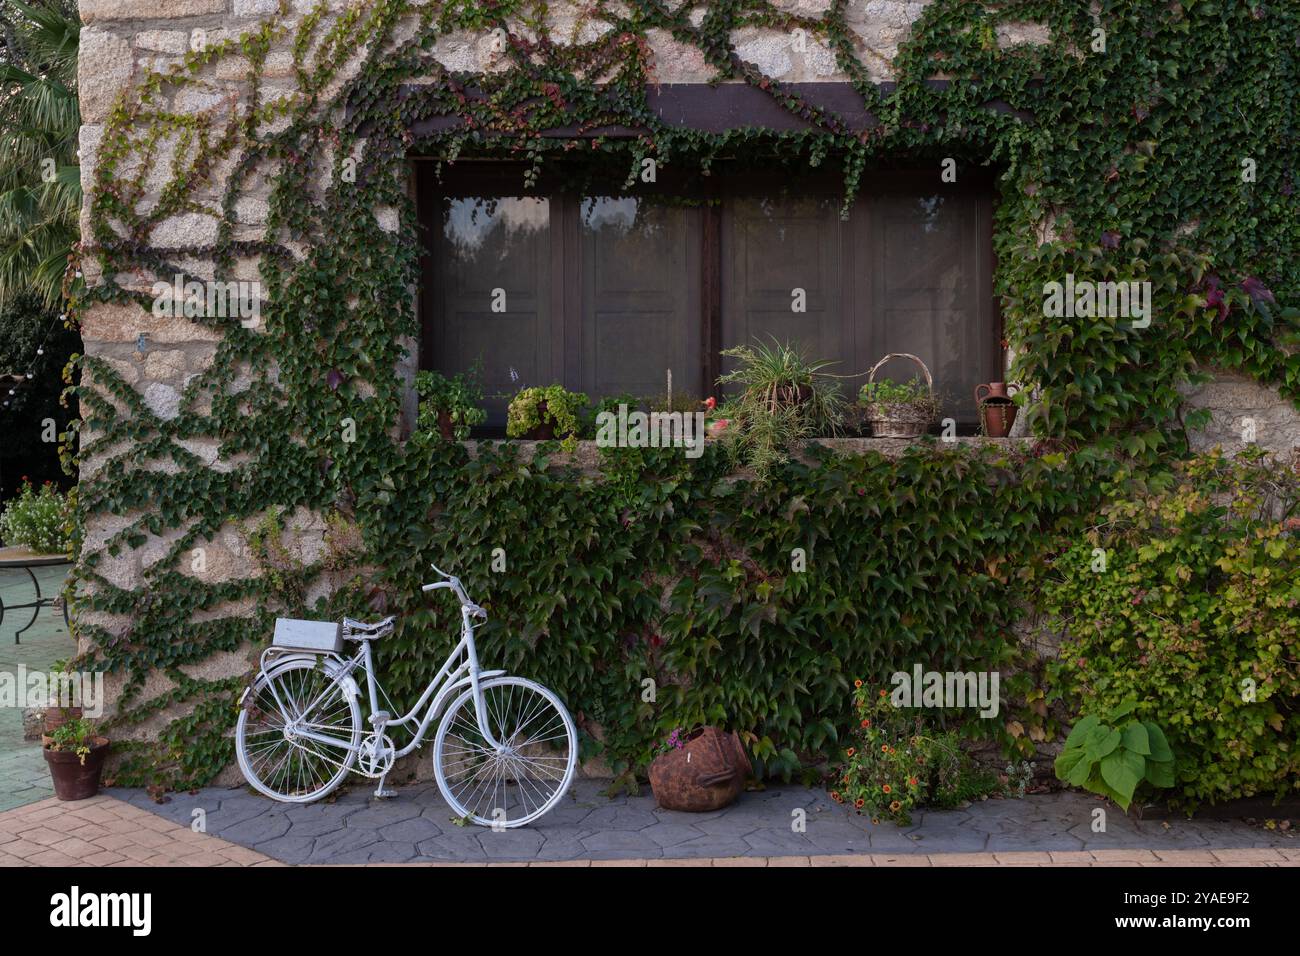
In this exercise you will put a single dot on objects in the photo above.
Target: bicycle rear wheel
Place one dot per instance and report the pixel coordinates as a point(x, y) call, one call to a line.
point(275, 757)
point(514, 785)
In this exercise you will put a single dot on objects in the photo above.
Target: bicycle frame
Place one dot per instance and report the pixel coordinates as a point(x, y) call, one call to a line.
point(450, 678)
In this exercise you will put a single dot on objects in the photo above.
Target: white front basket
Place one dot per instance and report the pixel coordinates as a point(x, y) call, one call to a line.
point(317, 637)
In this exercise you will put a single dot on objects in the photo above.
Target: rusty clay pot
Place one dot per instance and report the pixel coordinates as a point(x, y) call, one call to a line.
point(706, 773)
point(997, 417)
point(75, 779)
point(445, 426)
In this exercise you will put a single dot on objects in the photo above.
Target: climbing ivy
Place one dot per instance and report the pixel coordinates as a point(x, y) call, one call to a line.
point(1125, 163)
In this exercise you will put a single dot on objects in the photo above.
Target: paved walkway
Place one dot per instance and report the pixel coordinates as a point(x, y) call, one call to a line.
point(23, 774)
point(106, 831)
point(102, 831)
point(417, 827)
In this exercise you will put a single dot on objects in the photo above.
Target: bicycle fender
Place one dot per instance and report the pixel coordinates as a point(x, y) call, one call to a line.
point(333, 667)
point(451, 690)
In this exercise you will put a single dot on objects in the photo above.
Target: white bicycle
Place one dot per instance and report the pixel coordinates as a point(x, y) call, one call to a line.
point(504, 753)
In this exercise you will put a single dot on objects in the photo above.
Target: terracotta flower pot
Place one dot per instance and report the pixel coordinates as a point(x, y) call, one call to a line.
point(997, 410)
point(445, 427)
point(706, 773)
point(546, 430)
point(997, 417)
point(73, 778)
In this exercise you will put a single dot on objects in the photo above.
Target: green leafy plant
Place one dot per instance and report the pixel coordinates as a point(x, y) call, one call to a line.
point(610, 404)
point(38, 520)
point(1113, 759)
point(73, 736)
point(898, 762)
point(783, 399)
point(449, 404)
point(40, 181)
point(886, 392)
point(1185, 594)
point(553, 405)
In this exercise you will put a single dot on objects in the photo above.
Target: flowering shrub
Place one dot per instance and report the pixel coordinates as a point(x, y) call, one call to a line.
point(36, 520)
point(896, 764)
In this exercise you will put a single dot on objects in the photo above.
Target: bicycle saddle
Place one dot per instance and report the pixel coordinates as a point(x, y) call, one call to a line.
point(361, 631)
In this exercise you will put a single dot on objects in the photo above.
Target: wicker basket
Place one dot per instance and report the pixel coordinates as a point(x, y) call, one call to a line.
point(899, 420)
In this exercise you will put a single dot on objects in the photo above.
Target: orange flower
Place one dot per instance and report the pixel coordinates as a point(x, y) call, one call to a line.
point(884, 748)
point(851, 751)
point(887, 788)
point(857, 683)
point(894, 806)
point(882, 692)
point(858, 803)
point(835, 795)
point(866, 723)
point(911, 781)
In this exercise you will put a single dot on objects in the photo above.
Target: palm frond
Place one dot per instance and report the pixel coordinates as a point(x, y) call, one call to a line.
point(40, 119)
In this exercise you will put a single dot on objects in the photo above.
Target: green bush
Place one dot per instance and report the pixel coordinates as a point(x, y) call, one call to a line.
point(36, 520)
point(1187, 597)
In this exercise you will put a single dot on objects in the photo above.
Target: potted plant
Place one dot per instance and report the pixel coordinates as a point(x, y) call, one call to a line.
point(546, 413)
point(784, 399)
point(700, 771)
point(450, 406)
point(75, 755)
point(899, 409)
point(57, 712)
point(36, 520)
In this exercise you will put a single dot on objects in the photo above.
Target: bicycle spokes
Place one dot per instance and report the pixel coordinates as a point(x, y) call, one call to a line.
point(297, 732)
point(519, 779)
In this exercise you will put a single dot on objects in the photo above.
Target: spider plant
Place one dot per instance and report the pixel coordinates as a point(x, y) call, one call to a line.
point(783, 399)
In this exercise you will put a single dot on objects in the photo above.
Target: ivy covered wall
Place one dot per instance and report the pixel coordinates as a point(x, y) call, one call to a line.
point(233, 471)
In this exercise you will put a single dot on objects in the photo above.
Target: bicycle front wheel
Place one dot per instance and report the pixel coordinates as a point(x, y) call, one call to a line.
point(527, 775)
point(298, 732)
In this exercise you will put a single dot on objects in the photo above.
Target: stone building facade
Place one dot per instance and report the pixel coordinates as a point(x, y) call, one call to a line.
point(124, 39)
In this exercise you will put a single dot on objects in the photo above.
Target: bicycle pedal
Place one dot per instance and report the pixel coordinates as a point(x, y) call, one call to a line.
point(384, 793)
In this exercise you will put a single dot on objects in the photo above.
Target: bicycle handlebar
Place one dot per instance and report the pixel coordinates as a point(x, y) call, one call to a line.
point(454, 584)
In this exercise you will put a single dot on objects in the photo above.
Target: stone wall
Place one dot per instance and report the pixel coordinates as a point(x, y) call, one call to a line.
point(122, 39)
point(1244, 412)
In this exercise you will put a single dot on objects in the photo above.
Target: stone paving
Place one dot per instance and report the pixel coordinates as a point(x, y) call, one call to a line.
point(105, 831)
point(23, 774)
point(417, 826)
point(102, 831)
